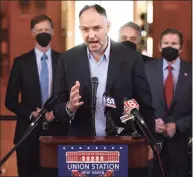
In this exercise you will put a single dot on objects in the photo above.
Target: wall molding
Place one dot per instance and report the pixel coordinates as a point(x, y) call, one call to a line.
point(8, 118)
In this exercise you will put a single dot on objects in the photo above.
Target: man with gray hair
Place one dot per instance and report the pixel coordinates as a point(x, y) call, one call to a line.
point(130, 35)
point(130, 32)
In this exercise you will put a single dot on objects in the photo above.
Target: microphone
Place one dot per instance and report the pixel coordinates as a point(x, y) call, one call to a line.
point(131, 107)
point(109, 104)
point(128, 119)
point(47, 107)
point(126, 115)
point(93, 103)
point(129, 125)
point(94, 90)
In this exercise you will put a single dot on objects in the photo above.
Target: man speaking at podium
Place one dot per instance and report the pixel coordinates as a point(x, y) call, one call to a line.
point(120, 72)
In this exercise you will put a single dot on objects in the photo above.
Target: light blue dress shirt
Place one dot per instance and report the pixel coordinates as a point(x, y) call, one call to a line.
point(99, 69)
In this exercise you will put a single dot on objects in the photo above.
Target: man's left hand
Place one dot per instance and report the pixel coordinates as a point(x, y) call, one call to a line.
point(170, 129)
point(49, 116)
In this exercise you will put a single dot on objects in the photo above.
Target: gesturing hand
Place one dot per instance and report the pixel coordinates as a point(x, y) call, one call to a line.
point(74, 102)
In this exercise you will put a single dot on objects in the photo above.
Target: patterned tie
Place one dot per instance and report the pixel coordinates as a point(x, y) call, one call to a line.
point(44, 80)
point(169, 86)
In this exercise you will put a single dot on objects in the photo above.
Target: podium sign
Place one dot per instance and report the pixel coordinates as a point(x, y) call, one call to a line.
point(93, 160)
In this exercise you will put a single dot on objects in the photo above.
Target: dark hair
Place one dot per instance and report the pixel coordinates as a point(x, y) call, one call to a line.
point(40, 18)
point(172, 31)
point(96, 7)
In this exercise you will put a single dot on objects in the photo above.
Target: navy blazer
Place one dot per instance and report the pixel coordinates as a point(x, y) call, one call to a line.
point(24, 79)
point(125, 78)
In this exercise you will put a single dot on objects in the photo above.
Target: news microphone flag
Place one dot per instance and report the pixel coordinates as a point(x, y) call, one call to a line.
point(109, 102)
point(130, 105)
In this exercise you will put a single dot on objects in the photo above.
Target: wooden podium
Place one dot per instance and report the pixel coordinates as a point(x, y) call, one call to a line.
point(137, 150)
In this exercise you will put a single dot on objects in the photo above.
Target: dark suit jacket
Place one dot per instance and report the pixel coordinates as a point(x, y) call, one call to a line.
point(125, 78)
point(133, 46)
point(24, 78)
point(180, 110)
point(146, 58)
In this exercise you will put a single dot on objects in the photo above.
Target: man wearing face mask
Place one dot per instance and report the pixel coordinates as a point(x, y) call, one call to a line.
point(31, 75)
point(130, 36)
point(170, 81)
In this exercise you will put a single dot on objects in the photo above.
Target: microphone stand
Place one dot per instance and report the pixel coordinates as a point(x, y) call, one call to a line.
point(146, 132)
point(32, 126)
point(47, 107)
point(135, 134)
point(93, 108)
point(111, 129)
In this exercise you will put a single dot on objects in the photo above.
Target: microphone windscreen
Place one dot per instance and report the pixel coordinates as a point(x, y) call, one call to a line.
point(95, 80)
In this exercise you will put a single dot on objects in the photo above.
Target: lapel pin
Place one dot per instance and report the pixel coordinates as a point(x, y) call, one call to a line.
point(185, 74)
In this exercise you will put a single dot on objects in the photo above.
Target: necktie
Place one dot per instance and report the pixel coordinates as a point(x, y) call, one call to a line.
point(44, 80)
point(169, 86)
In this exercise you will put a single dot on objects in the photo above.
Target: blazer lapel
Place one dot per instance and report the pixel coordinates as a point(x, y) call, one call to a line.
point(180, 83)
point(159, 78)
point(114, 63)
point(33, 70)
point(83, 71)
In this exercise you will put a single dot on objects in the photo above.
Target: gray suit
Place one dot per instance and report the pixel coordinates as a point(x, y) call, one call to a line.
point(174, 151)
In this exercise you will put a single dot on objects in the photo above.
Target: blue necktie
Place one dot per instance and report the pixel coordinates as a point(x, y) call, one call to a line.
point(44, 80)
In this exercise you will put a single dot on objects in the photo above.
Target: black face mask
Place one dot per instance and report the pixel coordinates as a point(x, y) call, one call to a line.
point(130, 45)
point(170, 53)
point(43, 39)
